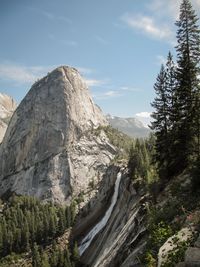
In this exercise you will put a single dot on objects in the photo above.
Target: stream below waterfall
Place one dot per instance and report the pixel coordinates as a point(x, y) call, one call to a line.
point(100, 225)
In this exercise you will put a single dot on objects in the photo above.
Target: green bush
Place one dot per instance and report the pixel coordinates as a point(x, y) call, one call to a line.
point(158, 235)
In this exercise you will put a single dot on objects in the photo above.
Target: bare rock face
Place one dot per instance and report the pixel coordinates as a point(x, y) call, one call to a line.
point(123, 238)
point(49, 150)
point(7, 107)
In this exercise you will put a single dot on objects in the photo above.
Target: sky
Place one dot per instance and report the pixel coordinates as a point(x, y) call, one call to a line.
point(117, 45)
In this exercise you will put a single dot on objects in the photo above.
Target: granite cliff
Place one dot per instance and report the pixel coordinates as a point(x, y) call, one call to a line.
point(49, 150)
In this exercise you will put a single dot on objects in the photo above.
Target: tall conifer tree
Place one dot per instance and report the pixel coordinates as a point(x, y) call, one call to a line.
point(161, 121)
point(188, 56)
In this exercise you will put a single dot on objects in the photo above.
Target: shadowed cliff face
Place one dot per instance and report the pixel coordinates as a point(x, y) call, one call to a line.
point(48, 150)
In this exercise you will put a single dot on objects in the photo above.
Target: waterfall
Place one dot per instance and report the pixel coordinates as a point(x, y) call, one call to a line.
point(100, 225)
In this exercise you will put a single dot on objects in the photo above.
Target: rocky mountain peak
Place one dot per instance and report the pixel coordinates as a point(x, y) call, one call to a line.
point(48, 135)
point(7, 107)
point(65, 89)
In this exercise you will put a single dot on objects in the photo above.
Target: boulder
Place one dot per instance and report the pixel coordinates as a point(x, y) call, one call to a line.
point(192, 257)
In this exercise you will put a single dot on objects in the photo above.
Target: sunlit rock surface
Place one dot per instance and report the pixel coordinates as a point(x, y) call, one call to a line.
point(49, 149)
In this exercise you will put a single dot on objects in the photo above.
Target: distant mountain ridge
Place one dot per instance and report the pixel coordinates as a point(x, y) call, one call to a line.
point(130, 126)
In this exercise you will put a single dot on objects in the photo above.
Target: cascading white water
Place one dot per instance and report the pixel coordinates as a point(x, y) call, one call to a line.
point(100, 225)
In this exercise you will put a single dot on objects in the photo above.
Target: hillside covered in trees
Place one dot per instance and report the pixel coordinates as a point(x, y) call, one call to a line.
point(28, 228)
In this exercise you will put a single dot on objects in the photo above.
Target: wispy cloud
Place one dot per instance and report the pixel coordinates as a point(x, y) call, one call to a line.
point(169, 9)
point(148, 26)
point(160, 60)
point(22, 74)
point(85, 71)
point(106, 95)
point(51, 16)
point(101, 40)
point(62, 41)
point(160, 8)
point(46, 14)
point(130, 89)
point(159, 23)
point(94, 82)
point(113, 93)
point(68, 42)
point(28, 74)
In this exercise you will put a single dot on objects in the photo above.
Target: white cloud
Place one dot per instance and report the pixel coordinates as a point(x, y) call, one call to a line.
point(197, 2)
point(169, 9)
point(85, 71)
point(160, 25)
point(144, 117)
point(29, 74)
point(160, 8)
point(94, 82)
point(148, 26)
point(111, 93)
point(106, 95)
point(22, 74)
point(130, 89)
point(143, 114)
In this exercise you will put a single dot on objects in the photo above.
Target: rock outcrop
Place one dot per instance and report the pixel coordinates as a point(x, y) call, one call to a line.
point(7, 107)
point(49, 150)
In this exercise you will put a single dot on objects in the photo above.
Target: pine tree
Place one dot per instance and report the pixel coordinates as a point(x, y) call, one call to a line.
point(75, 253)
point(188, 57)
point(60, 258)
point(62, 220)
point(67, 262)
point(36, 258)
point(68, 216)
point(1, 239)
point(161, 122)
point(45, 260)
point(171, 86)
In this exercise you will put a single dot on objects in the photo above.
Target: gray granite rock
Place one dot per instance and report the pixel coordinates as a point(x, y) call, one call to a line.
point(7, 107)
point(197, 243)
point(49, 150)
point(192, 257)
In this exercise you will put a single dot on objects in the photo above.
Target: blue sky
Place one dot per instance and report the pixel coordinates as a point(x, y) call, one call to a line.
point(118, 46)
